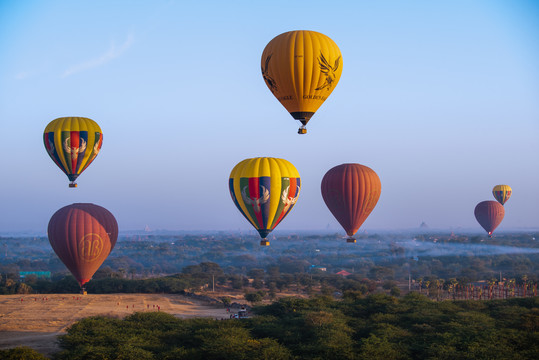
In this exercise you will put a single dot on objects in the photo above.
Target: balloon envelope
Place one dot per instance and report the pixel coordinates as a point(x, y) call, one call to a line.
point(489, 215)
point(502, 193)
point(264, 190)
point(351, 192)
point(301, 68)
point(73, 143)
point(82, 235)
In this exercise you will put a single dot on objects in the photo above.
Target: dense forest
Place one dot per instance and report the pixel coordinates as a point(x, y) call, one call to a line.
point(355, 327)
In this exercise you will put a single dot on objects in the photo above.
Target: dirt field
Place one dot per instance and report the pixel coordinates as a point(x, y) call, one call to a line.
point(37, 320)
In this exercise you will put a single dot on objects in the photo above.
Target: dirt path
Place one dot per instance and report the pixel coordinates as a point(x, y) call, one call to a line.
point(37, 320)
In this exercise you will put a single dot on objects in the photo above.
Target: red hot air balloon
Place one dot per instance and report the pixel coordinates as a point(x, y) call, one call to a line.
point(82, 235)
point(351, 192)
point(489, 215)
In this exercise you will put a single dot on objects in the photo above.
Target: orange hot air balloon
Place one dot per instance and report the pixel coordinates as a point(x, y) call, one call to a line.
point(82, 235)
point(489, 215)
point(301, 69)
point(351, 192)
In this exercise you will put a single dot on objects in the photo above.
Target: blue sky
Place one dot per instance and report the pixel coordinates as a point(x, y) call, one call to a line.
point(441, 99)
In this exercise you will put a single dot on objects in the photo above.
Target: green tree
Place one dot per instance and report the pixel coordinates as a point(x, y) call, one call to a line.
point(395, 291)
point(227, 342)
point(226, 301)
point(255, 297)
point(21, 353)
point(329, 336)
point(256, 273)
point(375, 348)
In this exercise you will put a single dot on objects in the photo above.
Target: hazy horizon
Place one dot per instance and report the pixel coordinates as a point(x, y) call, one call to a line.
point(277, 233)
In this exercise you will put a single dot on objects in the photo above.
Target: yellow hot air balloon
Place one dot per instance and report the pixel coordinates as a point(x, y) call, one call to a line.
point(73, 143)
point(264, 190)
point(301, 68)
point(502, 193)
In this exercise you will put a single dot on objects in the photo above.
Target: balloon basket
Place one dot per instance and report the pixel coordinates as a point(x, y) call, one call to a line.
point(351, 240)
point(73, 185)
point(264, 242)
point(302, 130)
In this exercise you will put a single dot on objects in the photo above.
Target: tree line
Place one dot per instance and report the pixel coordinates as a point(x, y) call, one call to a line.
point(259, 284)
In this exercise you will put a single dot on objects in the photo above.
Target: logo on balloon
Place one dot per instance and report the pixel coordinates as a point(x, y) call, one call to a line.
point(329, 71)
point(255, 202)
point(74, 151)
point(90, 247)
point(267, 78)
point(289, 201)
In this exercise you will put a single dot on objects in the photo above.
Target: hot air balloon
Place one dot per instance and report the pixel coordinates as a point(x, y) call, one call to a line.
point(502, 193)
point(82, 235)
point(73, 143)
point(489, 215)
point(264, 190)
point(301, 68)
point(351, 192)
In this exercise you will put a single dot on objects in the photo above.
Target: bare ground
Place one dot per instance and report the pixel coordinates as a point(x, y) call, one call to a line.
point(38, 319)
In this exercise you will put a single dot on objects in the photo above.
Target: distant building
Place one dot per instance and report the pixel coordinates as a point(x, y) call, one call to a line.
point(344, 273)
point(317, 267)
point(38, 274)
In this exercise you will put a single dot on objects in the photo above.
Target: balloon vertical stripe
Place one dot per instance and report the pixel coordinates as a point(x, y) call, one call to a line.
point(83, 151)
point(244, 197)
point(234, 197)
point(264, 183)
point(292, 185)
point(93, 152)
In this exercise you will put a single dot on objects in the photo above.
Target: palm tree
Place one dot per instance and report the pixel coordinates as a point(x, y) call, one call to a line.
point(439, 285)
point(452, 286)
point(491, 284)
point(511, 285)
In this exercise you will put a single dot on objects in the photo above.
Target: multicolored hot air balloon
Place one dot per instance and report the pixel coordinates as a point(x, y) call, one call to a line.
point(82, 235)
point(489, 215)
point(73, 143)
point(502, 193)
point(264, 190)
point(351, 192)
point(301, 68)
